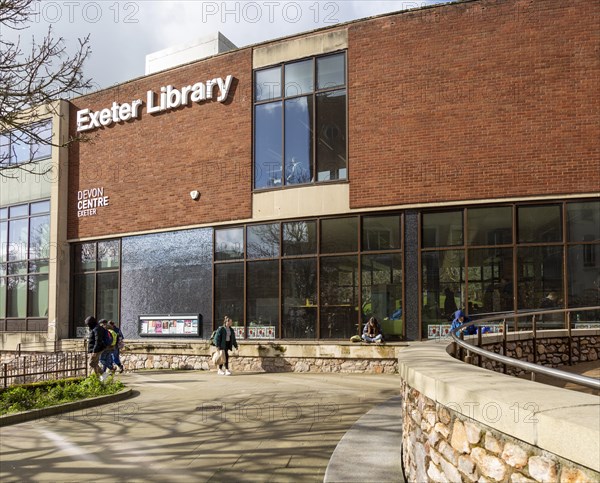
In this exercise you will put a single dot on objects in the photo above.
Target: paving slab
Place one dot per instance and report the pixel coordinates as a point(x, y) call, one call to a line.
point(197, 426)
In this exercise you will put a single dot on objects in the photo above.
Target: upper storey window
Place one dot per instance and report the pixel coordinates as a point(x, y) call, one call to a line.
point(300, 122)
point(24, 146)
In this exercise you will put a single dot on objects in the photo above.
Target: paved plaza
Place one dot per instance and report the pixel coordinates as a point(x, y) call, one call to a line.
point(197, 426)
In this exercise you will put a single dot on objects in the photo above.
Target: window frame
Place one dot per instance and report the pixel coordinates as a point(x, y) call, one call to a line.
point(281, 99)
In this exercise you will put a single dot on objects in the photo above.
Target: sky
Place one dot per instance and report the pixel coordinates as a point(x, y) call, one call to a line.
point(122, 33)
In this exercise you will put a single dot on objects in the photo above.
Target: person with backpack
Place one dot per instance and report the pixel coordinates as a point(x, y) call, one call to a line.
point(96, 343)
point(118, 335)
point(225, 340)
point(106, 357)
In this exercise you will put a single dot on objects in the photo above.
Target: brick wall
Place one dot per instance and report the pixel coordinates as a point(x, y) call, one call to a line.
point(475, 100)
point(149, 166)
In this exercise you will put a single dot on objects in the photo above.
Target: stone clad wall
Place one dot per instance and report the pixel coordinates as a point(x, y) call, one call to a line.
point(440, 444)
point(551, 352)
point(133, 362)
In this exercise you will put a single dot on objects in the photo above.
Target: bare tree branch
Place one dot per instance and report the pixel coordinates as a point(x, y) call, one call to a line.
point(29, 80)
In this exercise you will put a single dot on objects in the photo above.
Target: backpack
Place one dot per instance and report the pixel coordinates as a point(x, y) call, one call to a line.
point(113, 337)
point(105, 336)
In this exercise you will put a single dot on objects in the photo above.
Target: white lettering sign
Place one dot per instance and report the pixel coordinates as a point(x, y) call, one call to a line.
point(89, 200)
point(169, 98)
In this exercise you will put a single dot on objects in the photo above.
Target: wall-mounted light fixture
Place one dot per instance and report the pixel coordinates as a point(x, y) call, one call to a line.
point(195, 195)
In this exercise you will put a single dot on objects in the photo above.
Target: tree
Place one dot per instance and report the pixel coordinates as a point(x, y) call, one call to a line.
point(30, 80)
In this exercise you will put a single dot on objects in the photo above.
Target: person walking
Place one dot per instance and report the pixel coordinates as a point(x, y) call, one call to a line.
point(118, 346)
point(225, 341)
point(96, 344)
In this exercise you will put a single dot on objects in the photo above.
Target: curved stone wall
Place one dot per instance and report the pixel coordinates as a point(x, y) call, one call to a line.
point(465, 423)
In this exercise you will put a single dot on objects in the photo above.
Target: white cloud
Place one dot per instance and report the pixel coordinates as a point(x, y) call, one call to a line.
point(123, 32)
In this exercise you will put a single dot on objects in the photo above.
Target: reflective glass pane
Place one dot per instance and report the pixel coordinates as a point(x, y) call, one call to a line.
point(263, 241)
point(331, 136)
point(331, 71)
point(268, 131)
point(19, 210)
point(39, 207)
point(267, 84)
point(83, 298)
point(39, 237)
point(3, 241)
point(16, 296)
point(489, 226)
point(539, 279)
point(381, 232)
point(85, 257)
point(339, 235)
point(298, 140)
point(339, 297)
point(108, 254)
point(20, 147)
point(3, 213)
point(299, 78)
point(442, 229)
point(229, 244)
point(17, 268)
point(382, 291)
point(263, 300)
point(38, 266)
point(229, 293)
point(2, 297)
point(167, 273)
point(38, 296)
point(300, 238)
point(490, 280)
point(41, 139)
point(539, 224)
point(299, 294)
point(107, 296)
point(583, 221)
point(584, 275)
point(18, 231)
point(443, 290)
point(4, 153)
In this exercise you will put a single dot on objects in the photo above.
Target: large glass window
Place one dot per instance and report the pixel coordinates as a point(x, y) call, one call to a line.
point(229, 293)
point(95, 281)
point(229, 244)
point(301, 279)
point(24, 254)
point(263, 300)
point(381, 277)
point(21, 146)
point(299, 298)
point(300, 130)
point(499, 262)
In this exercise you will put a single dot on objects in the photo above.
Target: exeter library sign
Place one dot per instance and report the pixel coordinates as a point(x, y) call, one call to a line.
point(168, 99)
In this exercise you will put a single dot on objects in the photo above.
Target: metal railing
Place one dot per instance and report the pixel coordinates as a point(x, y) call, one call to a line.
point(37, 367)
point(524, 365)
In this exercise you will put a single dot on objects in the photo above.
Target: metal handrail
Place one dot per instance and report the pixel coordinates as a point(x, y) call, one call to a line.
point(528, 366)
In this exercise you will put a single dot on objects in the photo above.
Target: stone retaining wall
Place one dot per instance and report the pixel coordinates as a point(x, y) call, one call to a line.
point(551, 352)
point(260, 364)
point(441, 445)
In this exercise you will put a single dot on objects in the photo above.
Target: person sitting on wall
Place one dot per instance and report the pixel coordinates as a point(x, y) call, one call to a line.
point(372, 331)
point(459, 319)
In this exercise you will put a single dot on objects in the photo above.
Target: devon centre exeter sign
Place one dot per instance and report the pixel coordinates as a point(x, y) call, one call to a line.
point(169, 98)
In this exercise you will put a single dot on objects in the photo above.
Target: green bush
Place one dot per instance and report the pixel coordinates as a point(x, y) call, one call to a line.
point(41, 395)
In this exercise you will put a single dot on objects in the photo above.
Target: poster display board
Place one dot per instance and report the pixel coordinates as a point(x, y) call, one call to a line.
point(183, 325)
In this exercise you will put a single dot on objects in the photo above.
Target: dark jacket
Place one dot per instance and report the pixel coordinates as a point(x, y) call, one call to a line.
point(96, 340)
point(221, 338)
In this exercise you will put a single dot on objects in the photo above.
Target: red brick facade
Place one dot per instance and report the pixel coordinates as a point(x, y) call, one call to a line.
point(149, 166)
point(476, 100)
point(479, 100)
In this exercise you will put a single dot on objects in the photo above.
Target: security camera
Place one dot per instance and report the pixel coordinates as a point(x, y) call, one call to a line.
point(194, 194)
